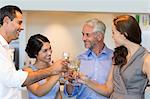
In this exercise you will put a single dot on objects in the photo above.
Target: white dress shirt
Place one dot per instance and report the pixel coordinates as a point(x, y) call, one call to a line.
point(10, 79)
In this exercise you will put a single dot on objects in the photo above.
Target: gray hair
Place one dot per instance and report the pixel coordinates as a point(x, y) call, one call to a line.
point(98, 25)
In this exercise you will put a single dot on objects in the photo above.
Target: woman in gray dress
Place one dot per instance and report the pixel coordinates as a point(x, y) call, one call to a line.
point(130, 72)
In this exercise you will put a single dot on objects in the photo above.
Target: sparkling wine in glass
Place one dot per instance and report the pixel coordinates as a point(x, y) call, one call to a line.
point(65, 56)
point(75, 64)
point(74, 67)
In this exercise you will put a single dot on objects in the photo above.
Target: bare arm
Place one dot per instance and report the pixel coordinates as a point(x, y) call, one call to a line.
point(41, 90)
point(146, 66)
point(35, 76)
point(103, 89)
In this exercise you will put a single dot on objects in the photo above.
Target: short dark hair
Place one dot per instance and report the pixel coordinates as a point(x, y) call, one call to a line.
point(10, 11)
point(35, 44)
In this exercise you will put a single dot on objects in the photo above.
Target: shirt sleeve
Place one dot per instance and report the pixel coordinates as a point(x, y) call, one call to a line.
point(9, 76)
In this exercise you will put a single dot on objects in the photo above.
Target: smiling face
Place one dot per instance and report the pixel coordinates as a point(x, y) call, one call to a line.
point(13, 27)
point(44, 55)
point(88, 36)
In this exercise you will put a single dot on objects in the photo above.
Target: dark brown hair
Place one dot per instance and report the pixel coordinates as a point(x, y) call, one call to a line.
point(128, 26)
point(35, 44)
point(10, 11)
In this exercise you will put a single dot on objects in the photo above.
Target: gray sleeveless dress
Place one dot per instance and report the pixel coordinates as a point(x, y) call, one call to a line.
point(129, 81)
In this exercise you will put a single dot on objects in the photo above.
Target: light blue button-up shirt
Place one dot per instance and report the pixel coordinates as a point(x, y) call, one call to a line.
point(96, 68)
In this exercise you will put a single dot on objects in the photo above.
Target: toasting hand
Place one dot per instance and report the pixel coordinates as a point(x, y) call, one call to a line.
point(60, 66)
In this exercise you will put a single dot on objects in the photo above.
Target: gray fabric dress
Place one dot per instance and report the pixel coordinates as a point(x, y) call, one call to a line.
point(129, 81)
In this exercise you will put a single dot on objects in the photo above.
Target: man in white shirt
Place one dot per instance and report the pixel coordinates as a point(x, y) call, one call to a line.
point(12, 80)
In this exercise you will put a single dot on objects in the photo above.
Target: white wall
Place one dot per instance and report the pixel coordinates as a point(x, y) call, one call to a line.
point(64, 29)
point(70, 23)
point(121, 6)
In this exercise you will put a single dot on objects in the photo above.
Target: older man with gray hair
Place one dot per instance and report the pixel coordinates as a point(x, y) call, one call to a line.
point(95, 62)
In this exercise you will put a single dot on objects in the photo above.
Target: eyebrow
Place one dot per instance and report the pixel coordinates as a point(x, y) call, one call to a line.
point(86, 32)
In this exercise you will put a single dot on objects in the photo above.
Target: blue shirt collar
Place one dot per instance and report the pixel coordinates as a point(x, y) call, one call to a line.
point(91, 53)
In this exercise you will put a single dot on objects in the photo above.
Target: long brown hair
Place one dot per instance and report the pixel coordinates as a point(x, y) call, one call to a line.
point(129, 27)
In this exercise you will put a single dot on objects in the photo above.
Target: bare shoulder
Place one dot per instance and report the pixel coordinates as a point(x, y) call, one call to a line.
point(147, 58)
point(146, 65)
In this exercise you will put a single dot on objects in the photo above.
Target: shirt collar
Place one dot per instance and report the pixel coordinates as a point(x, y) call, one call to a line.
point(3, 42)
point(104, 51)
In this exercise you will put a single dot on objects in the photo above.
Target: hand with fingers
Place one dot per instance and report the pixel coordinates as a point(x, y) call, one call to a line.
point(60, 66)
point(82, 78)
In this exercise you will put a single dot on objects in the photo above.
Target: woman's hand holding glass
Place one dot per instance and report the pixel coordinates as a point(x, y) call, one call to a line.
point(65, 57)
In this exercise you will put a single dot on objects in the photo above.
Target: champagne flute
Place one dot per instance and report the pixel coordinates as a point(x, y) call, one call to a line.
point(65, 56)
point(74, 66)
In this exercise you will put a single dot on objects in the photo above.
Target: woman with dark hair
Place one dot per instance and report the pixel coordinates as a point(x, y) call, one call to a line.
point(39, 47)
point(130, 72)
